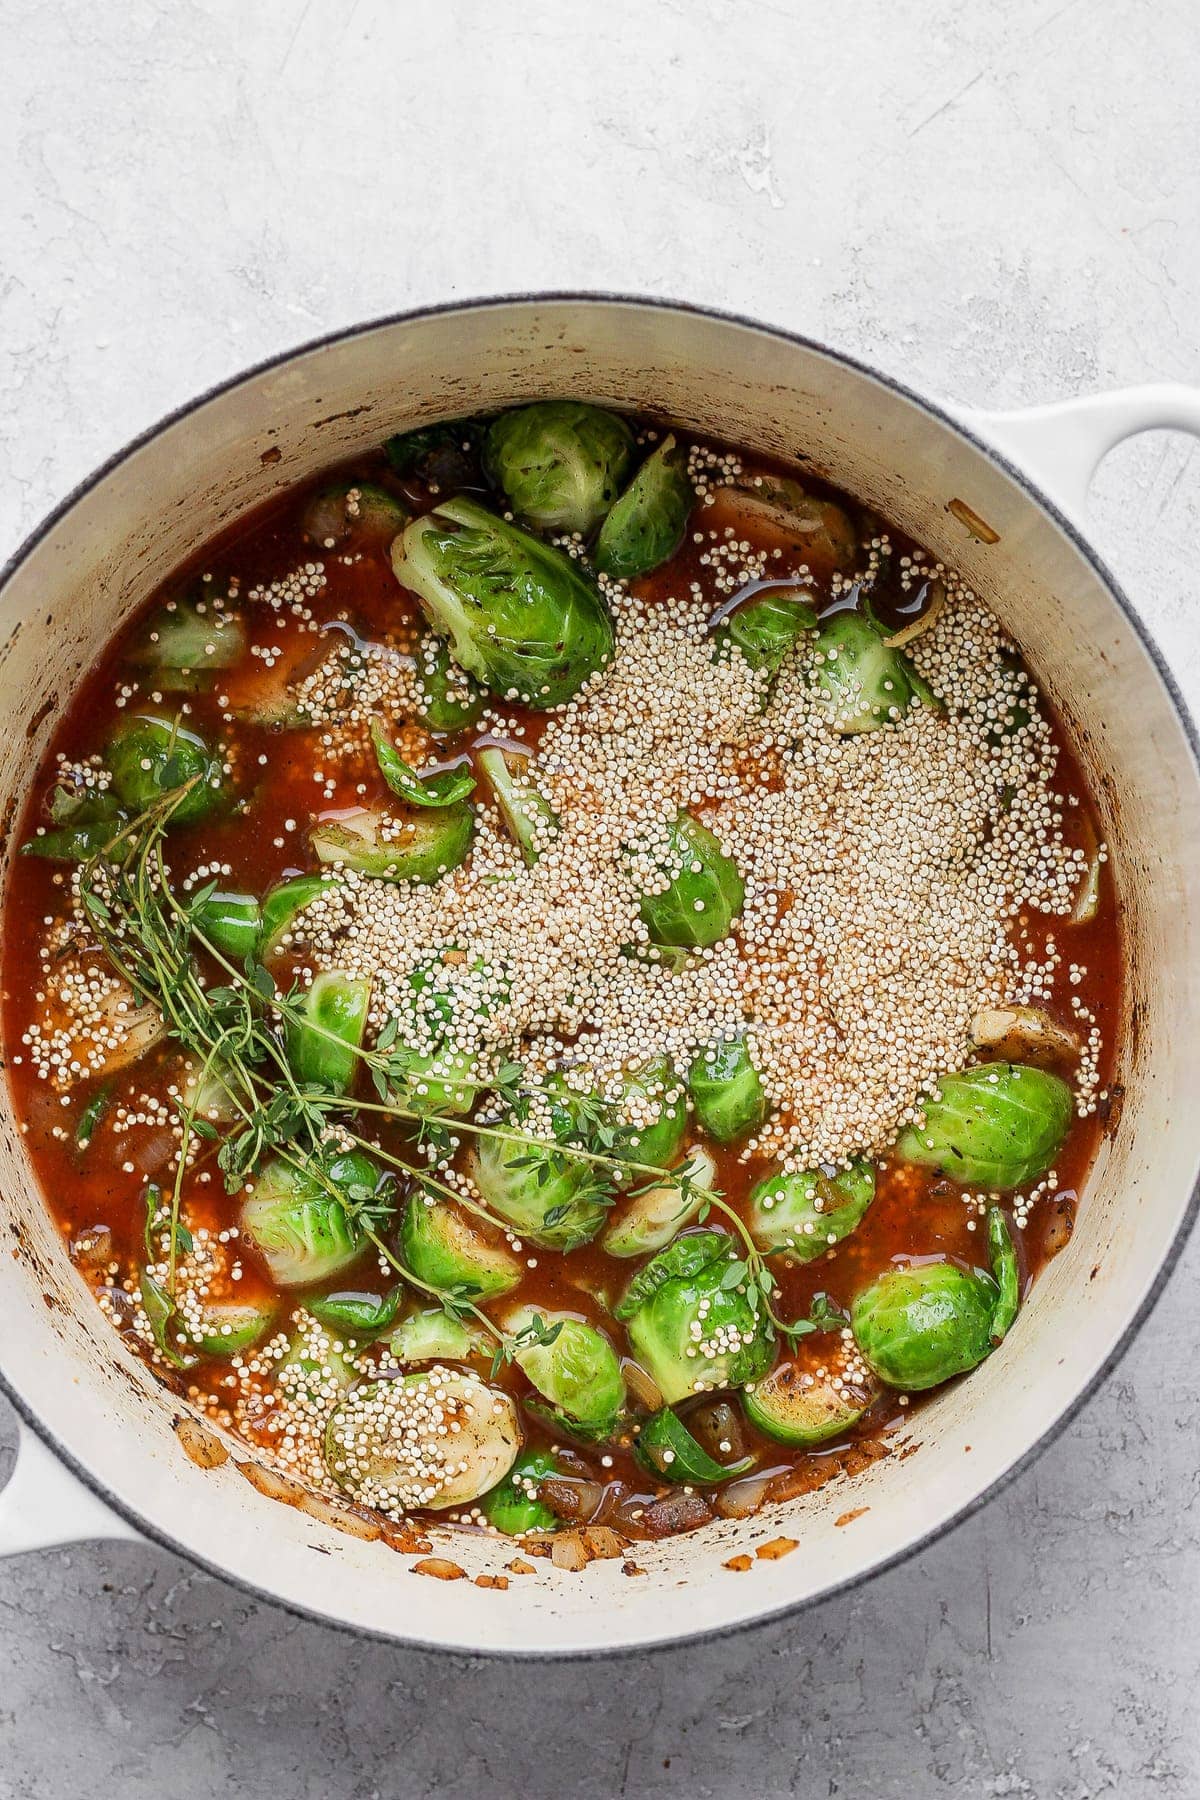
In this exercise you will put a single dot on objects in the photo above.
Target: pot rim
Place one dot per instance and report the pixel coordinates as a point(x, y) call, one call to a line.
point(965, 429)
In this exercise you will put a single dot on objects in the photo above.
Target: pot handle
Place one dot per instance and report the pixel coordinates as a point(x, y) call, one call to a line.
point(1063, 444)
point(44, 1504)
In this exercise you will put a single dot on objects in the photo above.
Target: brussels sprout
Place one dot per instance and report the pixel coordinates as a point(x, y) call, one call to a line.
point(354, 512)
point(916, 1327)
point(444, 456)
point(421, 849)
point(436, 1036)
point(699, 1281)
point(232, 923)
point(726, 1091)
point(437, 1438)
point(807, 1399)
point(324, 1040)
point(1027, 1032)
point(354, 1315)
point(448, 699)
point(779, 507)
point(996, 1127)
point(656, 1214)
point(704, 892)
point(433, 1335)
point(314, 1373)
point(866, 682)
point(654, 1086)
point(559, 463)
point(547, 1195)
point(314, 679)
point(528, 815)
point(206, 1092)
point(444, 1248)
point(283, 905)
point(82, 825)
point(572, 1364)
point(149, 757)
point(513, 1507)
point(444, 788)
point(188, 640)
point(305, 1222)
point(229, 1327)
point(765, 627)
point(162, 1316)
point(667, 1448)
point(802, 1215)
point(647, 523)
point(520, 615)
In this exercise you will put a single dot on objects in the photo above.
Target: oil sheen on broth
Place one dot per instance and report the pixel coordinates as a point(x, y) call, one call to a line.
point(562, 977)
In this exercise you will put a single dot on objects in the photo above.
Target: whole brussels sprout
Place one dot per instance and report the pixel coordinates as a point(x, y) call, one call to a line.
point(305, 1222)
point(698, 1281)
point(354, 512)
point(996, 1127)
point(520, 615)
point(919, 1326)
point(647, 524)
point(149, 758)
point(704, 892)
point(802, 1214)
point(867, 683)
point(559, 463)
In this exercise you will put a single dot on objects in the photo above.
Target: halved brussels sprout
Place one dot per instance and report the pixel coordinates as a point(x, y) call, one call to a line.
point(726, 1091)
point(422, 848)
point(431, 1334)
point(519, 614)
point(656, 1214)
point(324, 1041)
point(513, 1507)
point(1024, 1032)
point(559, 463)
point(576, 1369)
point(356, 1316)
point(149, 758)
point(82, 824)
point(232, 924)
point(803, 1214)
point(437, 1438)
point(866, 682)
point(695, 1319)
point(163, 1318)
point(547, 1195)
point(704, 891)
point(442, 788)
point(809, 1397)
point(779, 507)
point(997, 1126)
point(354, 512)
point(647, 523)
point(437, 1033)
point(667, 1448)
point(653, 1087)
point(188, 640)
point(765, 627)
point(445, 1248)
point(448, 699)
point(527, 813)
point(228, 1327)
point(283, 905)
point(916, 1327)
point(305, 1222)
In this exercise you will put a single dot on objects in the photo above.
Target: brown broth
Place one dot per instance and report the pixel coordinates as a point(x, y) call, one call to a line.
point(914, 1214)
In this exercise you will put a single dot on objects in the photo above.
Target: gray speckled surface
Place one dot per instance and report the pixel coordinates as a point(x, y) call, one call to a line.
point(996, 201)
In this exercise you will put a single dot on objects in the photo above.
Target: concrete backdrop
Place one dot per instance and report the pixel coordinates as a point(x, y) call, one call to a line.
point(996, 201)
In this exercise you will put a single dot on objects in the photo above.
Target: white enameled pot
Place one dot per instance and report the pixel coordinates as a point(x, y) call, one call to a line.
point(99, 1457)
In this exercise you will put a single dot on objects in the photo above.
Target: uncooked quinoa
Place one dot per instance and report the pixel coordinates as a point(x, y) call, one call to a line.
point(562, 979)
